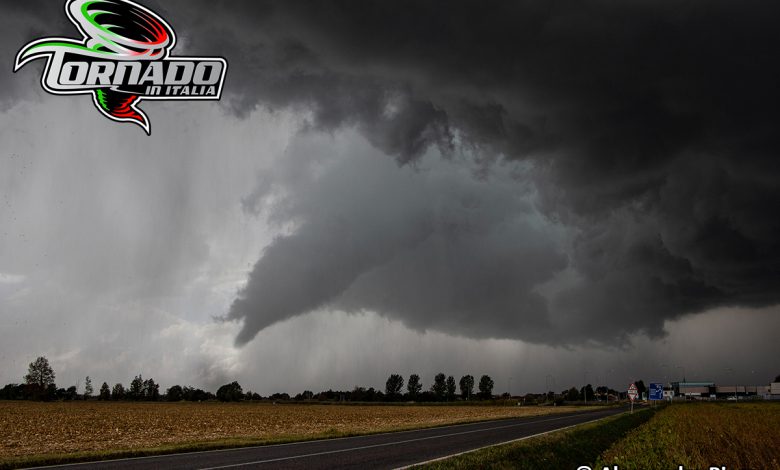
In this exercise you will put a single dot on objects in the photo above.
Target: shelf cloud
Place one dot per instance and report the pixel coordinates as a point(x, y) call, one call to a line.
point(646, 129)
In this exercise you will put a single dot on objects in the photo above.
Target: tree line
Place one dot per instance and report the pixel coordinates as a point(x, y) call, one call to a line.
point(39, 384)
point(442, 389)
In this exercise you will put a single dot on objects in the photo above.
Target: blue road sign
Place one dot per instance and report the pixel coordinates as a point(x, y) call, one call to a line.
point(656, 391)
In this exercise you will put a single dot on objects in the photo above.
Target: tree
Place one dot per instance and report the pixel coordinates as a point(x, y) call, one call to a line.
point(136, 391)
point(439, 387)
point(450, 388)
point(118, 392)
point(777, 379)
point(105, 392)
point(40, 373)
point(394, 385)
point(49, 394)
point(196, 394)
point(602, 392)
point(467, 386)
point(640, 388)
point(88, 390)
point(175, 393)
point(71, 393)
point(40, 380)
point(485, 387)
point(413, 386)
point(275, 397)
point(13, 392)
point(151, 391)
point(572, 395)
point(231, 392)
point(586, 392)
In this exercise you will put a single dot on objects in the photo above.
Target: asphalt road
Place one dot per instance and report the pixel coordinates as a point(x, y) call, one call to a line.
point(389, 450)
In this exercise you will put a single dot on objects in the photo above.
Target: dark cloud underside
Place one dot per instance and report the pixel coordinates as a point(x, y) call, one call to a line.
point(645, 130)
point(651, 127)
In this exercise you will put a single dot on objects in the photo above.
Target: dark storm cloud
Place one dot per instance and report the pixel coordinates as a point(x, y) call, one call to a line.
point(436, 248)
point(651, 128)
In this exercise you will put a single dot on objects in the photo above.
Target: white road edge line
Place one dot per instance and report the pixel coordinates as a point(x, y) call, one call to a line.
point(352, 449)
point(426, 462)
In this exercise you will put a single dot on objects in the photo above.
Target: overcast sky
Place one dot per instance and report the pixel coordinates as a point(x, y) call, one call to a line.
point(540, 191)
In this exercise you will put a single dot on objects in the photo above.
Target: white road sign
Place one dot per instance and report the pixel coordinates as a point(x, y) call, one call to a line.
point(632, 392)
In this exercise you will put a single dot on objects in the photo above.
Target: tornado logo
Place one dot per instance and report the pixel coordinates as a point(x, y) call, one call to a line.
point(123, 57)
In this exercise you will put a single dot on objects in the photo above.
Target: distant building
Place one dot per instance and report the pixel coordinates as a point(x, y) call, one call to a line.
point(774, 391)
point(710, 391)
point(694, 390)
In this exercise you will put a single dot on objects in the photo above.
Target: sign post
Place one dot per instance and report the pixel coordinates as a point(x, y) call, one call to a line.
point(632, 394)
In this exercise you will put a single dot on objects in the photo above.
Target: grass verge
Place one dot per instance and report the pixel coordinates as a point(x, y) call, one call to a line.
point(580, 445)
point(701, 435)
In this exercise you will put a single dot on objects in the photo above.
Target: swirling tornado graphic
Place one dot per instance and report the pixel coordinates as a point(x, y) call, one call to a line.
point(118, 30)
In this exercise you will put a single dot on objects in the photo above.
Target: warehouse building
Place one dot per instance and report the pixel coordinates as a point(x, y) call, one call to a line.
point(694, 390)
point(711, 391)
point(773, 392)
